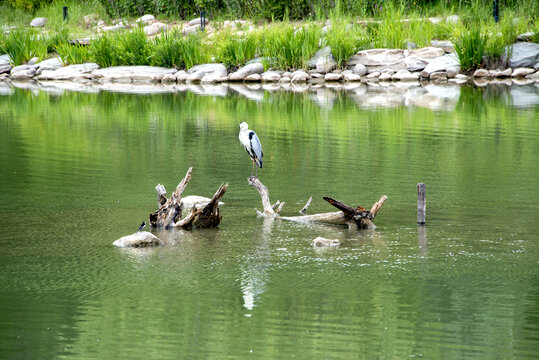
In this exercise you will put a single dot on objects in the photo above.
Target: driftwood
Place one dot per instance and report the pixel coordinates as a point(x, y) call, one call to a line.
point(170, 210)
point(353, 217)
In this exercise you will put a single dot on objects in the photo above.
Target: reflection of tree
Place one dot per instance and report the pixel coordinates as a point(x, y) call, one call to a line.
point(255, 267)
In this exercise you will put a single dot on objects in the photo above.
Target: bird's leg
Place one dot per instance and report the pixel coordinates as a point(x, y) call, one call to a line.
point(256, 169)
point(253, 168)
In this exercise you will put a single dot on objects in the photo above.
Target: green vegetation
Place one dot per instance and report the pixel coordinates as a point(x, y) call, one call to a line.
point(282, 44)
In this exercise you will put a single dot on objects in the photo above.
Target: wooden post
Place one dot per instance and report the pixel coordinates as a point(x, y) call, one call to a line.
point(421, 203)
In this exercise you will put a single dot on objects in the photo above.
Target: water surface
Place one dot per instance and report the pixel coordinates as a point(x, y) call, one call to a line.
point(78, 171)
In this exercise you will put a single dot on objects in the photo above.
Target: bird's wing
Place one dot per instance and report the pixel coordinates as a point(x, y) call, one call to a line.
point(256, 147)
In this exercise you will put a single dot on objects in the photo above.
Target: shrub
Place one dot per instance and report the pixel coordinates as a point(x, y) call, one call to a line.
point(22, 45)
point(469, 47)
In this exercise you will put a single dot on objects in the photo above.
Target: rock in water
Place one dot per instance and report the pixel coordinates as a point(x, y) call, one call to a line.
point(323, 242)
point(138, 239)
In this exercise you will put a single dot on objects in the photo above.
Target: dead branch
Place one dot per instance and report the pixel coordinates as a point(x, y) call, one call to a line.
point(264, 195)
point(209, 215)
point(302, 211)
point(171, 211)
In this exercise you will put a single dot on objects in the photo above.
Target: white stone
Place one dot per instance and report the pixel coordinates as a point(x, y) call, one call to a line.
point(404, 75)
point(435, 20)
point(523, 54)
point(138, 239)
point(445, 45)
point(323, 52)
point(23, 75)
point(112, 28)
point(333, 77)
point(377, 57)
point(5, 68)
point(461, 76)
point(323, 242)
point(440, 64)
point(181, 76)
point(212, 78)
point(452, 71)
point(518, 72)
point(33, 61)
point(385, 76)
point(241, 74)
point(360, 69)
point(352, 77)
point(169, 78)
point(325, 64)
point(299, 76)
point(253, 78)
point(38, 22)
point(70, 72)
point(214, 69)
point(155, 28)
point(197, 22)
point(525, 37)
point(197, 77)
point(438, 75)
point(284, 80)
point(374, 75)
point(480, 73)
point(5, 59)
point(270, 76)
point(133, 73)
point(145, 19)
point(190, 30)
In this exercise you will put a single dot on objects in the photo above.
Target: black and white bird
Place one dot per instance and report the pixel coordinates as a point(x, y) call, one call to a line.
point(142, 226)
point(252, 145)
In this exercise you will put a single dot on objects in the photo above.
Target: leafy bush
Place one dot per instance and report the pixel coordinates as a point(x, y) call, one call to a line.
point(469, 47)
point(22, 45)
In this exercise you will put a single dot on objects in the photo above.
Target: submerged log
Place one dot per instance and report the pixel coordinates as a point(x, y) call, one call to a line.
point(353, 217)
point(170, 211)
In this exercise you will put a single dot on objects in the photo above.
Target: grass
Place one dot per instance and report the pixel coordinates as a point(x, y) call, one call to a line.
point(234, 50)
point(469, 47)
point(22, 45)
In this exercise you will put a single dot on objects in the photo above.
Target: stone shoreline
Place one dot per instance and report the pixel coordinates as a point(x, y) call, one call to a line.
point(435, 63)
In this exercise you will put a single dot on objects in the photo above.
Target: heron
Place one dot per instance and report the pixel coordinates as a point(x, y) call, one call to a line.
point(252, 145)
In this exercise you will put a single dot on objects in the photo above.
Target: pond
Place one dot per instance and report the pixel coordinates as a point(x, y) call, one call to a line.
point(78, 171)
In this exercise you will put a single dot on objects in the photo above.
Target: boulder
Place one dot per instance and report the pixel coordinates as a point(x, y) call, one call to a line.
point(333, 77)
point(145, 19)
point(360, 69)
point(155, 28)
point(405, 75)
point(299, 76)
point(523, 54)
point(169, 78)
point(196, 77)
point(190, 30)
point(386, 76)
point(323, 52)
point(245, 71)
point(377, 57)
point(418, 59)
point(138, 239)
point(452, 71)
point(500, 73)
point(210, 78)
point(49, 64)
point(518, 72)
point(23, 74)
point(285, 80)
point(438, 75)
point(270, 76)
point(445, 45)
point(440, 64)
point(214, 69)
point(5, 59)
point(351, 77)
point(181, 76)
point(411, 45)
point(33, 61)
point(323, 242)
point(528, 36)
point(325, 64)
point(480, 73)
point(133, 74)
point(112, 28)
point(198, 21)
point(253, 78)
point(435, 20)
point(38, 22)
point(5, 68)
point(534, 76)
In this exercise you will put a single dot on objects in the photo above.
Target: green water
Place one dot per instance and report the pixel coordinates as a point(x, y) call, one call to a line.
point(78, 171)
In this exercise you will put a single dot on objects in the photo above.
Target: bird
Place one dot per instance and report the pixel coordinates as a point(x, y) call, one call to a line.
point(142, 226)
point(252, 145)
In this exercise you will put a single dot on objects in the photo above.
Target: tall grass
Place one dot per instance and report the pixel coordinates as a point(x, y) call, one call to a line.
point(22, 45)
point(290, 47)
point(105, 51)
point(73, 54)
point(470, 46)
point(345, 39)
point(233, 49)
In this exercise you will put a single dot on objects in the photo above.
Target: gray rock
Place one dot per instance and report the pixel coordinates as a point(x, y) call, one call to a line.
point(20, 68)
point(112, 28)
point(352, 77)
point(536, 66)
point(534, 76)
point(480, 73)
point(169, 78)
point(23, 75)
point(333, 77)
point(386, 76)
point(404, 75)
point(523, 54)
point(270, 76)
point(5, 68)
point(285, 80)
point(438, 75)
point(374, 75)
point(49, 64)
point(212, 78)
point(133, 73)
point(525, 37)
point(461, 76)
point(360, 70)
point(207, 69)
point(253, 78)
point(5, 59)
point(323, 242)
point(38, 22)
point(145, 19)
point(445, 45)
point(33, 61)
point(325, 64)
point(500, 73)
point(197, 22)
point(452, 71)
point(411, 45)
point(196, 77)
point(181, 76)
point(190, 30)
point(90, 19)
point(440, 64)
point(138, 239)
point(519, 72)
point(70, 72)
point(155, 28)
point(299, 76)
point(245, 71)
point(323, 52)
point(377, 57)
